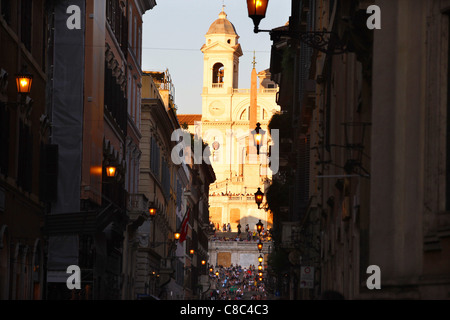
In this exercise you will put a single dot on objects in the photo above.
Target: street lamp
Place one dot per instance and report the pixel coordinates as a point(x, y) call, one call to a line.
point(260, 245)
point(191, 251)
point(260, 259)
point(24, 80)
point(259, 198)
point(152, 210)
point(259, 226)
point(176, 236)
point(324, 41)
point(258, 136)
point(260, 267)
point(111, 171)
point(257, 11)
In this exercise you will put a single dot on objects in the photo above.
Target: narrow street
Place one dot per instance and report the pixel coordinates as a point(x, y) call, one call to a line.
point(224, 150)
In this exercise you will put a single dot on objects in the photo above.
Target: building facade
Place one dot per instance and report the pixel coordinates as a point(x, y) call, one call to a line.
point(82, 161)
point(25, 175)
point(161, 184)
point(226, 124)
point(94, 112)
point(165, 268)
point(366, 171)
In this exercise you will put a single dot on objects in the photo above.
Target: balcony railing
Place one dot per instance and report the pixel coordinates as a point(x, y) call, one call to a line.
point(243, 91)
point(223, 184)
point(233, 197)
point(260, 90)
point(268, 90)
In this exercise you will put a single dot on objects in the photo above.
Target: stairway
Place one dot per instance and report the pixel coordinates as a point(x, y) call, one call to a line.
point(229, 235)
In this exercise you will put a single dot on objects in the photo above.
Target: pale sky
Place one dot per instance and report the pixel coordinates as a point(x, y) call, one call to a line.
point(174, 31)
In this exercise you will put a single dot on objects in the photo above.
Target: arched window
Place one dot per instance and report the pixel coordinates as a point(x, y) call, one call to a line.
point(217, 75)
point(245, 115)
point(216, 150)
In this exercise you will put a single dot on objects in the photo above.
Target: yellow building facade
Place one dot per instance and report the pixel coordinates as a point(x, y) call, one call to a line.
point(228, 121)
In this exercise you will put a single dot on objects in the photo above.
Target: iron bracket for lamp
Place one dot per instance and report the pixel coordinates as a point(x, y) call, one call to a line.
point(324, 41)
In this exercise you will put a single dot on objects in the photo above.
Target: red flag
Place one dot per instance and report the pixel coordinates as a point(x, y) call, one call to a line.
point(184, 226)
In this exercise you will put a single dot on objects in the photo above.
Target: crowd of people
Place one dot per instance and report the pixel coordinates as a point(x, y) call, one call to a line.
point(230, 194)
point(237, 283)
point(248, 235)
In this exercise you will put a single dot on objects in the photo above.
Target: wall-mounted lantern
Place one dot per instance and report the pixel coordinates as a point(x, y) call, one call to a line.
point(259, 195)
point(111, 171)
point(24, 80)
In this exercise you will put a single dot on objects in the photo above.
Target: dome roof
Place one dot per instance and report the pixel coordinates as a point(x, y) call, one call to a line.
point(222, 26)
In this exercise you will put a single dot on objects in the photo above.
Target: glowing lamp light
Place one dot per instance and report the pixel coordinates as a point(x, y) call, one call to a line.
point(259, 227)
point(110, 171)
point(260, 246)
point(260, 267)
point(257, 11)
point(23, 82)
point(96, 170)
point(177, 235)
point(260, 258)
point(191, 251)
point(152, 211)
point(203, 262)
point(258, 136)
point(259, 195)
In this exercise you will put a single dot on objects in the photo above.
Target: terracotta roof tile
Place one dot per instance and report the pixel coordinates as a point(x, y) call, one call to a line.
point(189, 118)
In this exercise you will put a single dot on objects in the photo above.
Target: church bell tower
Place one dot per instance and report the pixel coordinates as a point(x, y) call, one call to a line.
point(221, 53)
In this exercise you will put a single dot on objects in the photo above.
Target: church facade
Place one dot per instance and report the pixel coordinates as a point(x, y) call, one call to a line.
point(228, 121)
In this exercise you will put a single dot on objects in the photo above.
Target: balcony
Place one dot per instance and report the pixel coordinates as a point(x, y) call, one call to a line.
point(137, 204)
point(137, 208)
